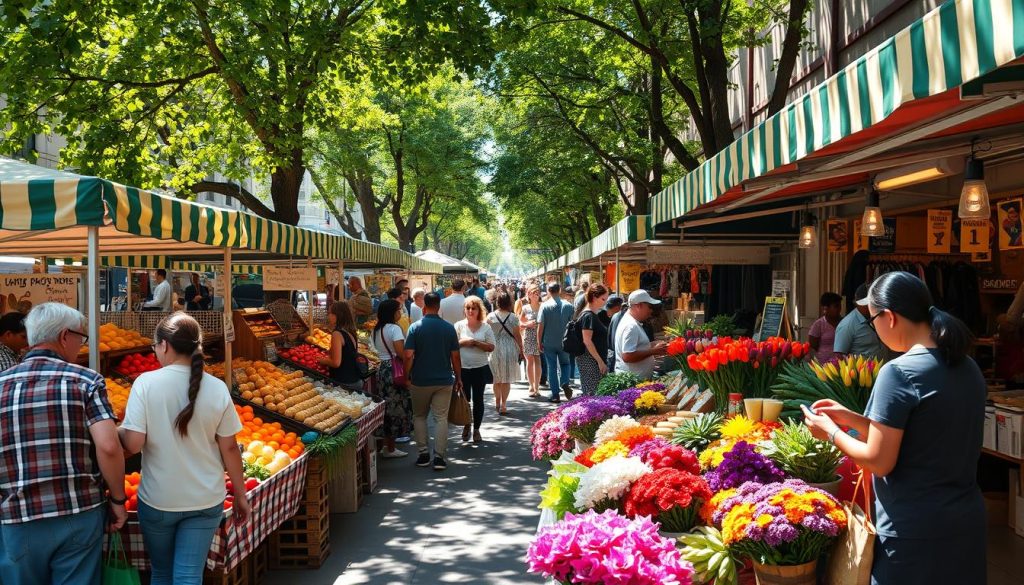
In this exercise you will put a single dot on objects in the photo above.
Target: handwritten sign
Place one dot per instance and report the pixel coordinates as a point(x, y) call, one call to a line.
point(974, 235)
point(940, 231)
point(772, 317)
point(21, 292)
point(285, 278)
point(630, 277)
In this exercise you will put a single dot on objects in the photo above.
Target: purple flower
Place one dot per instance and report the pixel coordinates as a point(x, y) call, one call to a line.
point(629, 396)
point(743, 464)
point(642, 450)
point(582, 416)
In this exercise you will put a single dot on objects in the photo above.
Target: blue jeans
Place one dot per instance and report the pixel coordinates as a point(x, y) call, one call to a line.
point(178, 542)
point(66, 549)
point(558, 362)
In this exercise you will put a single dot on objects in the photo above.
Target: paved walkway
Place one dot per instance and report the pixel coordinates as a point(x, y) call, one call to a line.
point(469, 524)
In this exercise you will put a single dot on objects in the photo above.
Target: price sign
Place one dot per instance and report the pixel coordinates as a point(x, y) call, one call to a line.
point(284, 278)
point(270, 351)
point(229, 329)
point(21, 292)
point(940, 231)
point(772, 317)
point(974, 235)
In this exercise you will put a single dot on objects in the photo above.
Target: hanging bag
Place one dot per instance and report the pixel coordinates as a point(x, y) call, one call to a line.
point(116, 568)
point(854, 551)
point(398, 377)
point(458, 409)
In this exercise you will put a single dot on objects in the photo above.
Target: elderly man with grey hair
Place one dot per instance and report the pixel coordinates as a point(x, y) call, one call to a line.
point(59, 454)
point(416, 308)
point(360, 301)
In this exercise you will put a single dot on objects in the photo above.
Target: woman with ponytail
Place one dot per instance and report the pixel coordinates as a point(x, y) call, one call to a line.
point(920, 437)
point(184, 423)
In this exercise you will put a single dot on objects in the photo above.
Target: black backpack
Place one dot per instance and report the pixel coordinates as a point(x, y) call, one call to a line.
point(572, 341)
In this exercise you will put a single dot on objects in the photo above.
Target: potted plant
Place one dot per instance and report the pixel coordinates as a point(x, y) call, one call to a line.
point(800, 455)
point(784, 528)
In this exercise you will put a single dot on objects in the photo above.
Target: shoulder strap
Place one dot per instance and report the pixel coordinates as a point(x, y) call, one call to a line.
point(502, 322)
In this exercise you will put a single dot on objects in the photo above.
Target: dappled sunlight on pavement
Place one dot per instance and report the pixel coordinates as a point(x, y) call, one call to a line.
point(469, 524)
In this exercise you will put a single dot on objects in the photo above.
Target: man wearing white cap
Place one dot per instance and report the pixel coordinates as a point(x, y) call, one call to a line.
point(633, 349)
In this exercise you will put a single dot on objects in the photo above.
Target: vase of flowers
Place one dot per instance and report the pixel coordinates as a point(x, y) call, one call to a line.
point(593, 548)
point(786, 524)
point(799, 455)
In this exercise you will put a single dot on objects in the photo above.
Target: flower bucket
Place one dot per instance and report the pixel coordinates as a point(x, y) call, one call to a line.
point(805, 574)
point(582, 446)
point(831, 487)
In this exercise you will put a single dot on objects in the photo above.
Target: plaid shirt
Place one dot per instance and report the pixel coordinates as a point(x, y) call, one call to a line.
point(47, 462)
point(8, 359)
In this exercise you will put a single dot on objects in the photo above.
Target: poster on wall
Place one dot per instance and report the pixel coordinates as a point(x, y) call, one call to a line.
point(377, 284)
point(940, 231)
point(21, 292)
point(885, 244)
point(1009, 224)
point(859, 242)
point(974, 236)
point(424, 281)
point(630, 277)
point(838, 235)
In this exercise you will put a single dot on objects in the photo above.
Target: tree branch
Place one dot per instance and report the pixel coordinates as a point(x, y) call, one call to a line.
point(235, 191)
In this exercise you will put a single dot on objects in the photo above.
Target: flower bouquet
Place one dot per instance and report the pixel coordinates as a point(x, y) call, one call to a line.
point(847, 381)
point(787, 523)
point(607, 548)
point(603, 486)
point(548, 438)
point(583, 416)
point(670, 496)
point(743, 464)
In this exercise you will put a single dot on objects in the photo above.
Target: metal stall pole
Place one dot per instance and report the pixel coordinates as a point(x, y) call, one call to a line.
point(228, 326)
point(93, 296)
point(310, 294)
point(618, 273)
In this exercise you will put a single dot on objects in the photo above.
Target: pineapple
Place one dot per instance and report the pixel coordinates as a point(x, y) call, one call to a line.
point(699, 432)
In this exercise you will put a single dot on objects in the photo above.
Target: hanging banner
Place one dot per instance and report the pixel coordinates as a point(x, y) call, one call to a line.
point(21, 292)
point(630, 277)
point(285, 278)
point(424, 281)
point(974, 235)
point(1010, 237)
point(609, 275)
point(859, 242)
point(377, 284)
point(838, 239)
point(940, 231)
point(885, 244)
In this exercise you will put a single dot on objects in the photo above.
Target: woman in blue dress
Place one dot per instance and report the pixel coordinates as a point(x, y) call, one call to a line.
point(921, 438)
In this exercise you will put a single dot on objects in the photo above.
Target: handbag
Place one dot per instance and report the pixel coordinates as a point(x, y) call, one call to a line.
point(398, 377)
point(362, 364)
point(854, 551)
point(116, 568)
point(458, 409)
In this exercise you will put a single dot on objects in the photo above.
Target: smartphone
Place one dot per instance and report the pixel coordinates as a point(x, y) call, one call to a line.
point(808, 409)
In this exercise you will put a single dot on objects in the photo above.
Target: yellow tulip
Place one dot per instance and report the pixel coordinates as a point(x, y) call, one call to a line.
point(830, 369)
point(848, 378)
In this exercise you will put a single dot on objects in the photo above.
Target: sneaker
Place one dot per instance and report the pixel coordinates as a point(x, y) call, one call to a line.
point(567, 388)
point(554, 400)
point(440, 464)
point(393, 454)
point(405, 439)
point(423, 460)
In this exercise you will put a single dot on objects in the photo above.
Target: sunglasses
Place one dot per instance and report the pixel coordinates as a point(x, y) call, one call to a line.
point(84, 337)
point(871, 320)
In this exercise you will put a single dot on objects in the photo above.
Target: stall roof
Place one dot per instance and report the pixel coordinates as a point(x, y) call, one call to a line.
point(890, 97)
point(449, 263)
point(631, 229)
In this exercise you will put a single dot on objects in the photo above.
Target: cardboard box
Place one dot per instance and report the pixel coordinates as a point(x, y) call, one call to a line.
point(989, 441)
point(1010, 431)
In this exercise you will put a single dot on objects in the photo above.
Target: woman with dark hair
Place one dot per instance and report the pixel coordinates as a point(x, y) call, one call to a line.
point(341, 360)
point(920, 437)
point(595, 339)
point(390, 345)
point(508, 348)
point(184, 422)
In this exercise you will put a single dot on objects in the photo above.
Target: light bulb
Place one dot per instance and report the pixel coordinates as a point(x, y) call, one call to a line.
point(974, 202)
point(871, 224)
point(807, 236)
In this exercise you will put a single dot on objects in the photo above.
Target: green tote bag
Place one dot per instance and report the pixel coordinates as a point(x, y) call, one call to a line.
point(116, 568)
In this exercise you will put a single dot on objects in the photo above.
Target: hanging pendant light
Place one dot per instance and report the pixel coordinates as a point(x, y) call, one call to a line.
point(974, 202)
point(871, 224)
point(808, 233)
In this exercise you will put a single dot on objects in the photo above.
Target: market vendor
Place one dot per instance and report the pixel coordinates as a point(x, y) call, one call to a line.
point(161, 294)
point(854, 335)
point(360, 302)
point(921, 437)
point(197, 297)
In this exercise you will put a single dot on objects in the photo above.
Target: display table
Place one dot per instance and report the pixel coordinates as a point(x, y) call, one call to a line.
point(273, 501)
point(369, 423)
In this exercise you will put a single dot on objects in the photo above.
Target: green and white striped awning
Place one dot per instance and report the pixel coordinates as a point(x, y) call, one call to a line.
point(369, 254)
point(632, 228)
point(950, 46)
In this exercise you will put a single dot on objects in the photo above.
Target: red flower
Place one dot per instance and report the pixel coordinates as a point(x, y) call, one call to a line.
point(673, 457)
point(584, 457)
point(677, 346)
point(664, 489)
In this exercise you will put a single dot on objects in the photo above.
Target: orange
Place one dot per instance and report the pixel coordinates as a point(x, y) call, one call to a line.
point(274, 444)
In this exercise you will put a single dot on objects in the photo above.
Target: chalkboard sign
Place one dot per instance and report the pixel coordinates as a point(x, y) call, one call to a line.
point(772, 317)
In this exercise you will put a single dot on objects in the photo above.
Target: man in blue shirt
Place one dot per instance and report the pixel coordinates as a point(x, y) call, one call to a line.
point(433, 365)
point(854, 334)
point(555, 315)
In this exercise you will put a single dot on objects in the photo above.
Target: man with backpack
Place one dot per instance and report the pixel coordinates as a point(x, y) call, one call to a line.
point(554, 318)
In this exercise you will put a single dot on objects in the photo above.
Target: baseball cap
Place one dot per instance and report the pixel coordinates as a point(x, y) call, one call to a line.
point(861, 295)
point(613, 301)
point(642, 296)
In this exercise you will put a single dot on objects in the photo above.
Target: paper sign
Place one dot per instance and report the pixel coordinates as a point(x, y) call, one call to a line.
point(630, 277)
point(424, 281)
point(284, 278)
point(885, 244)
point(974, 235)
point(21, 292)
point(1010, 224)
point(859, 242)
point(838, 239)
point(229, 328)
point(940, 231)
point(377, 284)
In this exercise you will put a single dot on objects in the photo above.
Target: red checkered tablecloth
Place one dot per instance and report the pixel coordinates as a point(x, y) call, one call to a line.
point(368, 423)
point(273, 502)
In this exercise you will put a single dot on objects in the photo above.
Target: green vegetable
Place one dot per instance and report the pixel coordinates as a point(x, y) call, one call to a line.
point(697, 433)
point(712, 560)
point(615, 382)
point(802, 456)
point(255, 470)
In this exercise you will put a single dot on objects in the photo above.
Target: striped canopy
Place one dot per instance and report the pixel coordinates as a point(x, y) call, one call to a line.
point(632, 228)
point(950, 46)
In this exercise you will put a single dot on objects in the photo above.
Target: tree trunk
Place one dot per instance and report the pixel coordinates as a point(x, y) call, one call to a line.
point(285, 182)
point(641, 198)
point(657, 113)
point(790, 51)
point(362, 185)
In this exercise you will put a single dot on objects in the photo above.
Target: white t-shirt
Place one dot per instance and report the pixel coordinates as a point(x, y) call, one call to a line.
point(161, 297)
point(474, 357)
point(389, 334)
point(180, 473)
point(415, 313)
point(630, 337)
point(452, 308)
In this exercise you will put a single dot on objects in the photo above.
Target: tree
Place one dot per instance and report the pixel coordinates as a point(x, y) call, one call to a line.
point(165, 93)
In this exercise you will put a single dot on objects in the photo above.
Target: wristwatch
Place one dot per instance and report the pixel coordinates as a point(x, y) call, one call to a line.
point(116, 501)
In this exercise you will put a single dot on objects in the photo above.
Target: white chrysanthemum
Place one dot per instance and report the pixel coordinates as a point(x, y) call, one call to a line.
point(611, 428)
point(609, 480)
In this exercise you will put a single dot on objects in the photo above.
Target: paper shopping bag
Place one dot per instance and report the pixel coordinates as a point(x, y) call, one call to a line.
point(854, 551)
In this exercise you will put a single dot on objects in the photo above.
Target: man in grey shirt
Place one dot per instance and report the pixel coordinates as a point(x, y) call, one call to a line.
point(633, 348)
point(854, 334)
point(554, 317)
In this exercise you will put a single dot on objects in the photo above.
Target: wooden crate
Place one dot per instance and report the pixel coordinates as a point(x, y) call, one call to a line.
point(240, 575)
point(368, 480)
point(346, 488)
point(303, 541)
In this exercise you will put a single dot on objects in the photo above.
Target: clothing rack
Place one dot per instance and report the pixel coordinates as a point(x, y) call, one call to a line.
point(918, 257)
